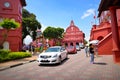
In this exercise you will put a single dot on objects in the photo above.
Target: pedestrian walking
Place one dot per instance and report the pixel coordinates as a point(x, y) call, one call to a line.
point(31, 48)
point(91, 49)
point(86, 51)
point(24, 48)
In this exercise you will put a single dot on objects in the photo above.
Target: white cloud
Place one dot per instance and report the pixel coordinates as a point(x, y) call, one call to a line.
point(88, 13)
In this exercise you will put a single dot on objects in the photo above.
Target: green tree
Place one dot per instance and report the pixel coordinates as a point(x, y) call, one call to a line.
point(85, 42)
point(53, 33)
point(30, 24)
point(8, 24)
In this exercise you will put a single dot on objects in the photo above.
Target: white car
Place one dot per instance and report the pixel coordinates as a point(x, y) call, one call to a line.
point(53, 55)
point(78, 48)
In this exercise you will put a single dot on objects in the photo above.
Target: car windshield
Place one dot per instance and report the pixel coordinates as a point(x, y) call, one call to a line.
point(53, 50)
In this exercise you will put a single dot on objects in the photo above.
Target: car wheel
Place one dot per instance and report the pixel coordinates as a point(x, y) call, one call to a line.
point(39, 64)
point(66, 56)
point(76, 52)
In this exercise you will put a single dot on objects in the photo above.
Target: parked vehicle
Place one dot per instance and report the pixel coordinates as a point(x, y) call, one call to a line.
point(82, 46)
point(78, 48)
point(71, 49)
point(53, 55)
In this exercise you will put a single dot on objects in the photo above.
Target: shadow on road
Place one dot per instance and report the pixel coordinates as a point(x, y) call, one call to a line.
point(100, 63)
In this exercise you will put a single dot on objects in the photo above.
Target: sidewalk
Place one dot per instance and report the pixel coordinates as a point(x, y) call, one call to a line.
point(13, 63)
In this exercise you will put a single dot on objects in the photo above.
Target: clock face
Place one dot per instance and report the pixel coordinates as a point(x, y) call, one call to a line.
point(7, 4)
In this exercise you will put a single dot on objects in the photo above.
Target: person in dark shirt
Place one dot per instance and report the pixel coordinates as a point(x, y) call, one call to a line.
point(91, 50)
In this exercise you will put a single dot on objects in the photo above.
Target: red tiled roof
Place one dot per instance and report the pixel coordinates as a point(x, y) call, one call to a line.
point(105, 4)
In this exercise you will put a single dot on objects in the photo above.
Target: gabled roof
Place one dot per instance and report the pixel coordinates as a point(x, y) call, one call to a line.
point(72, 27)
point(105, 4)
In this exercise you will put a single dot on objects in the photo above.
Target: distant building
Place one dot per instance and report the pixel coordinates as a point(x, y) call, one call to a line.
point(12, 9)
point(73, 36)
point(39, 41)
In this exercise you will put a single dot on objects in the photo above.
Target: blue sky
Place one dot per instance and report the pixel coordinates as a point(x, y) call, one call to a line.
point(59, 13)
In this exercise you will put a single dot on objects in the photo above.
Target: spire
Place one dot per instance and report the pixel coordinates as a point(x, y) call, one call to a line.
point(72, 23)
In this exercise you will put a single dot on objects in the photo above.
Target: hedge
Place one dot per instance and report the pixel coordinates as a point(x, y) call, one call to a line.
point(6, 55)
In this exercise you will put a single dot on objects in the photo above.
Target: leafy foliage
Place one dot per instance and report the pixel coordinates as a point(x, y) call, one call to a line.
point(30, 24)
point(6, 55)
point(9, 23)
point(85, 42)
point(4, 51)
point(53, 33)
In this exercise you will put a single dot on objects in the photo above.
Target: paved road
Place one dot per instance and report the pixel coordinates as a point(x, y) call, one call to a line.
point(76, 67)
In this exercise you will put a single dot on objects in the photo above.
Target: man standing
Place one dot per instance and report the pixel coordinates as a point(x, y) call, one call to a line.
point(91, 49)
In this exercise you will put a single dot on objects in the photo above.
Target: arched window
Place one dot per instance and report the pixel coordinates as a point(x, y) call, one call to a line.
point(77, 44)
point(66, 44)
point(71, 44)
point(6, 45)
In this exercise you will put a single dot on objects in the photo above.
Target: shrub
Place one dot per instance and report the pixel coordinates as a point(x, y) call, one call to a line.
point(4, 51)
point(4, 54)
point(19, 55)
point(7, 55)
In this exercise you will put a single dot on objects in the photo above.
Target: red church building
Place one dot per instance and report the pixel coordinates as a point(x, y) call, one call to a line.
point(73, 36)
point(108, 31)
point(103, 33)
point(12, 9)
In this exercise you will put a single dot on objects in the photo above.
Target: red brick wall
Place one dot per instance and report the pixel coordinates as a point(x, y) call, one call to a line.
point(14, 11)
point(105, 46)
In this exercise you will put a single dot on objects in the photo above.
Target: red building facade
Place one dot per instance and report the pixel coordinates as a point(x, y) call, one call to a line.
point(108, 31)
point(73, 36)
point(103, 33)
point(13, 10)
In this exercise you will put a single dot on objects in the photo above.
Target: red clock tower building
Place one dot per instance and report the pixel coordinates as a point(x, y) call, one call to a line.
point(73, 36)
point(12, 9)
